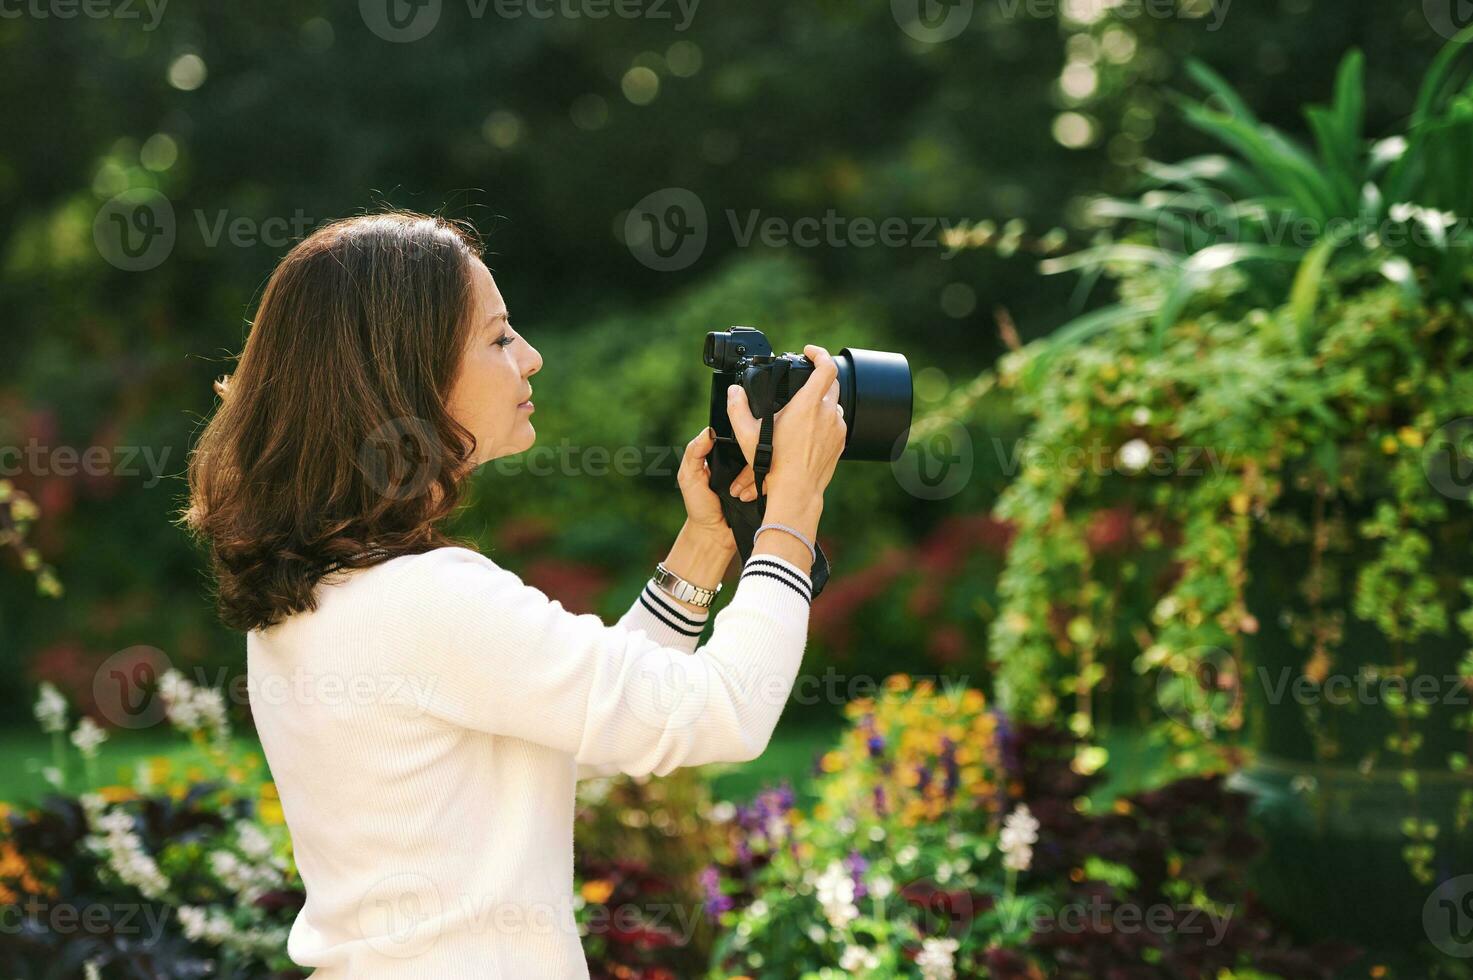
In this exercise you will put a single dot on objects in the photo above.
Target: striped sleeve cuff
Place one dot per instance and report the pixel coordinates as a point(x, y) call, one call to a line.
point(666, 621)
point(781, 571)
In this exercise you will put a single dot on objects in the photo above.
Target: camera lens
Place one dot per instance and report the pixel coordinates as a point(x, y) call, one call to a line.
point(878, 399)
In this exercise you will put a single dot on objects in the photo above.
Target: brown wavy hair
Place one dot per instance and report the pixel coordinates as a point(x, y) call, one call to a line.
point(331, 446)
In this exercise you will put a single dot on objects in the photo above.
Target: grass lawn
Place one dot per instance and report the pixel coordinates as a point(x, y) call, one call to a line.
point(24, 752)
point(790, 756)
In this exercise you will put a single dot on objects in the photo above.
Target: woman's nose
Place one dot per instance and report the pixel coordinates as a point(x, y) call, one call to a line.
point(536, 360)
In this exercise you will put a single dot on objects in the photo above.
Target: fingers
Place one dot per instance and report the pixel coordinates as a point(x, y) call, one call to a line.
point(745, 485)
point(739, 410)
point(824, 377)
point(693, 463)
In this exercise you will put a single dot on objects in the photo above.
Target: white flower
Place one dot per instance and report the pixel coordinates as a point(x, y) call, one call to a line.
point(1019, 834)
point(858, 959)
point(880, 886)
point(191, 708)
point(936, 959)
point(1134, 455)
point(50, 709)
point(52, 775)
point(87, 736)
point(836, 895)
point(113, 838)
point(253, 841)
point(91, 971)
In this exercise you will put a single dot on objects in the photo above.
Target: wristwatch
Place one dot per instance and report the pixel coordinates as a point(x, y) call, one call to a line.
point(679, 588)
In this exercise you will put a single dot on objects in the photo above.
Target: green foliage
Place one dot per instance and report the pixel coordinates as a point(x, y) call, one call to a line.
point(1232, 415)
point(1225, 228)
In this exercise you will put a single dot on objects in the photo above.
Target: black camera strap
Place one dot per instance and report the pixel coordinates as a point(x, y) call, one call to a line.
point(763, 463)
point(727, 462)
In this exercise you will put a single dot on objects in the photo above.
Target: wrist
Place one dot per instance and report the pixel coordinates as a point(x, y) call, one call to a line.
point(701, 555)
point(801, 511)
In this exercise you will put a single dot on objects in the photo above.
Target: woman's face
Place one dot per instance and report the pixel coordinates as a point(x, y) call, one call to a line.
point(491, 395)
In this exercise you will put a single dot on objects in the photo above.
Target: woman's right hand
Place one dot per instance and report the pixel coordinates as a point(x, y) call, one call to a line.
point(808, 435)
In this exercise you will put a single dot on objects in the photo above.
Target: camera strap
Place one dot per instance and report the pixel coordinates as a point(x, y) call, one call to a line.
point(726, 463)
point(762, 464)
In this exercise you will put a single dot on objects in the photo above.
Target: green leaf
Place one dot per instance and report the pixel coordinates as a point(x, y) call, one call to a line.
point(1307, 282)
point(1104, 254)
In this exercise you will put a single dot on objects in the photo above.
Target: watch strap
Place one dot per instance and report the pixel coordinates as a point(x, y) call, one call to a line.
point(678, 588)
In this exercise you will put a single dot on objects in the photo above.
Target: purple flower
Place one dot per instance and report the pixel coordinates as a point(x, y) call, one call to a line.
point(857, 866)
point(880, 800)
point(948, 762)
point(716, 901)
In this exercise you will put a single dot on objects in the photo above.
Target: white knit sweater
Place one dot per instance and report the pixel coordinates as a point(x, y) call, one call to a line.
point(425, 726)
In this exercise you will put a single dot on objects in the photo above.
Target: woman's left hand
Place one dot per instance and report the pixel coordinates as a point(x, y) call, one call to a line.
point(702, 507)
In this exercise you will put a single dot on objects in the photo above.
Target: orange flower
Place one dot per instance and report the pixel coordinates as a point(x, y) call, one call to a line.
point(598, 890)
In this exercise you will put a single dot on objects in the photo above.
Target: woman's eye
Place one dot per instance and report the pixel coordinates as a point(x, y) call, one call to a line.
point(505, 340)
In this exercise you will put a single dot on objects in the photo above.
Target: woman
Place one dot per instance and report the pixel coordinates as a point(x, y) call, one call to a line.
point(424, 713)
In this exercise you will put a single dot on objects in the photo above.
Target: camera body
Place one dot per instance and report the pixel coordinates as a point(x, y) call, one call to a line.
point(875, 389)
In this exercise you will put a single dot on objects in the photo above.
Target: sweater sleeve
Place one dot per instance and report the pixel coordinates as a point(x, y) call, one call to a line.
point(493, 654)
point(664, 620)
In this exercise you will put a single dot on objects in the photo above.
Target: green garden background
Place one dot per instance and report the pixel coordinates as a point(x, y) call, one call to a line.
point(1012, 193)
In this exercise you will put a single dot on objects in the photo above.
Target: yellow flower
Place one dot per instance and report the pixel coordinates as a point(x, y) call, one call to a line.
point(1389, 445)
point(832, 761)
point(268, 791)
point(897, 682)
point(1410, 436)
point(598, 890)
point(270, 811)
point(117, 794)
